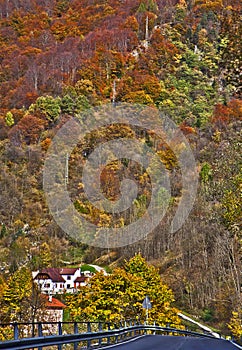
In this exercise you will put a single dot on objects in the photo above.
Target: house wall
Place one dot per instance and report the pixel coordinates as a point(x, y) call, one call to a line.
point(47, 286)
point(54, 315)
point(69, 284)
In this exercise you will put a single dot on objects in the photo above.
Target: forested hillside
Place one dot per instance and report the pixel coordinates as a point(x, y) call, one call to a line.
point(59, 58)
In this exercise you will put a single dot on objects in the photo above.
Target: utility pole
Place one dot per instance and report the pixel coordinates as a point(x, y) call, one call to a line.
point(147, 29)
point(146, 41)
point(114, 92)
point(66, 170)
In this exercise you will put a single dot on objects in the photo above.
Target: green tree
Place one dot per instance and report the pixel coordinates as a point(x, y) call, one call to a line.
point(9, 120)
point(206, 173)
point(75, 98)
point(73, 103)
point(47, 105)
point(188, 93)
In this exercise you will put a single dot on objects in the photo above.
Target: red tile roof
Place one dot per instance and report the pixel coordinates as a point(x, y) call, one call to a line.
point(54, 304)
point(53, 274)
point(81, 279)
point(68, 271)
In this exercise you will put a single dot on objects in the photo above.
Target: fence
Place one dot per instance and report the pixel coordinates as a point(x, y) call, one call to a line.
point(88, 335)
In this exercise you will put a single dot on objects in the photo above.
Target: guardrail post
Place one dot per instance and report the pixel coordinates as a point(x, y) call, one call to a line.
point(33, 329)
point(76, 332)
point(100, 328)
point(89, 330)
point(130, 325)
point(15, 331)
point(168, 326)
point(136, 323)
point(124, 325)
point(119, 327)
point(75, 328)
point(126, 333)
point(145, 330)
point(116, 336)
point(154, 332)
point(59, 333)
point(135, 332)
point(109, 330)
point(59, 328)
point(40, 333)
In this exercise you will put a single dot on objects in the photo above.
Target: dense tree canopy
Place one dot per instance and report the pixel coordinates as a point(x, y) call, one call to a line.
point(119, 296)
point(58, 59)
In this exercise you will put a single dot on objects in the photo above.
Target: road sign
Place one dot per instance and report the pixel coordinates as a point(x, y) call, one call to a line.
point(146, 303)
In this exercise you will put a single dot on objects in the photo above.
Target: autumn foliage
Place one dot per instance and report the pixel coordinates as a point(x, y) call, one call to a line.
point(59, 58)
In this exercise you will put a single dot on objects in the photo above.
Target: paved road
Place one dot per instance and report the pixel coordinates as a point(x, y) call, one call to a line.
point(161, 342)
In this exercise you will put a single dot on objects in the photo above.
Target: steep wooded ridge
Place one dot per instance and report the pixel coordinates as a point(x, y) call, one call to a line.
point(60, 57)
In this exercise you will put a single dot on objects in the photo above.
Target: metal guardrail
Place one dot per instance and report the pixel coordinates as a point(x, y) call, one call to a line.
point(96, 335)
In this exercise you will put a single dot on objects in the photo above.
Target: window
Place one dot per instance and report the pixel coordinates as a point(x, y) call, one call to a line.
point(68, 286)
point(68, 277)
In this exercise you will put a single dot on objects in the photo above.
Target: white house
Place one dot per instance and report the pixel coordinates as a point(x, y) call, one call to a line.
point(54, 280)
point(83, 279)
point(70, 275)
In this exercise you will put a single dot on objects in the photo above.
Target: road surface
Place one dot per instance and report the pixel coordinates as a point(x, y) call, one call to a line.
point(161, 342)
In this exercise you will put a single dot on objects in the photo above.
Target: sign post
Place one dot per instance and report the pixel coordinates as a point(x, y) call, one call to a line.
point(147, 305)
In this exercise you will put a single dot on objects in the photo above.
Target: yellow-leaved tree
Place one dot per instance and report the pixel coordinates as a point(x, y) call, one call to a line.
point(20, 300)
point(235, 325)
point(119, 296)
